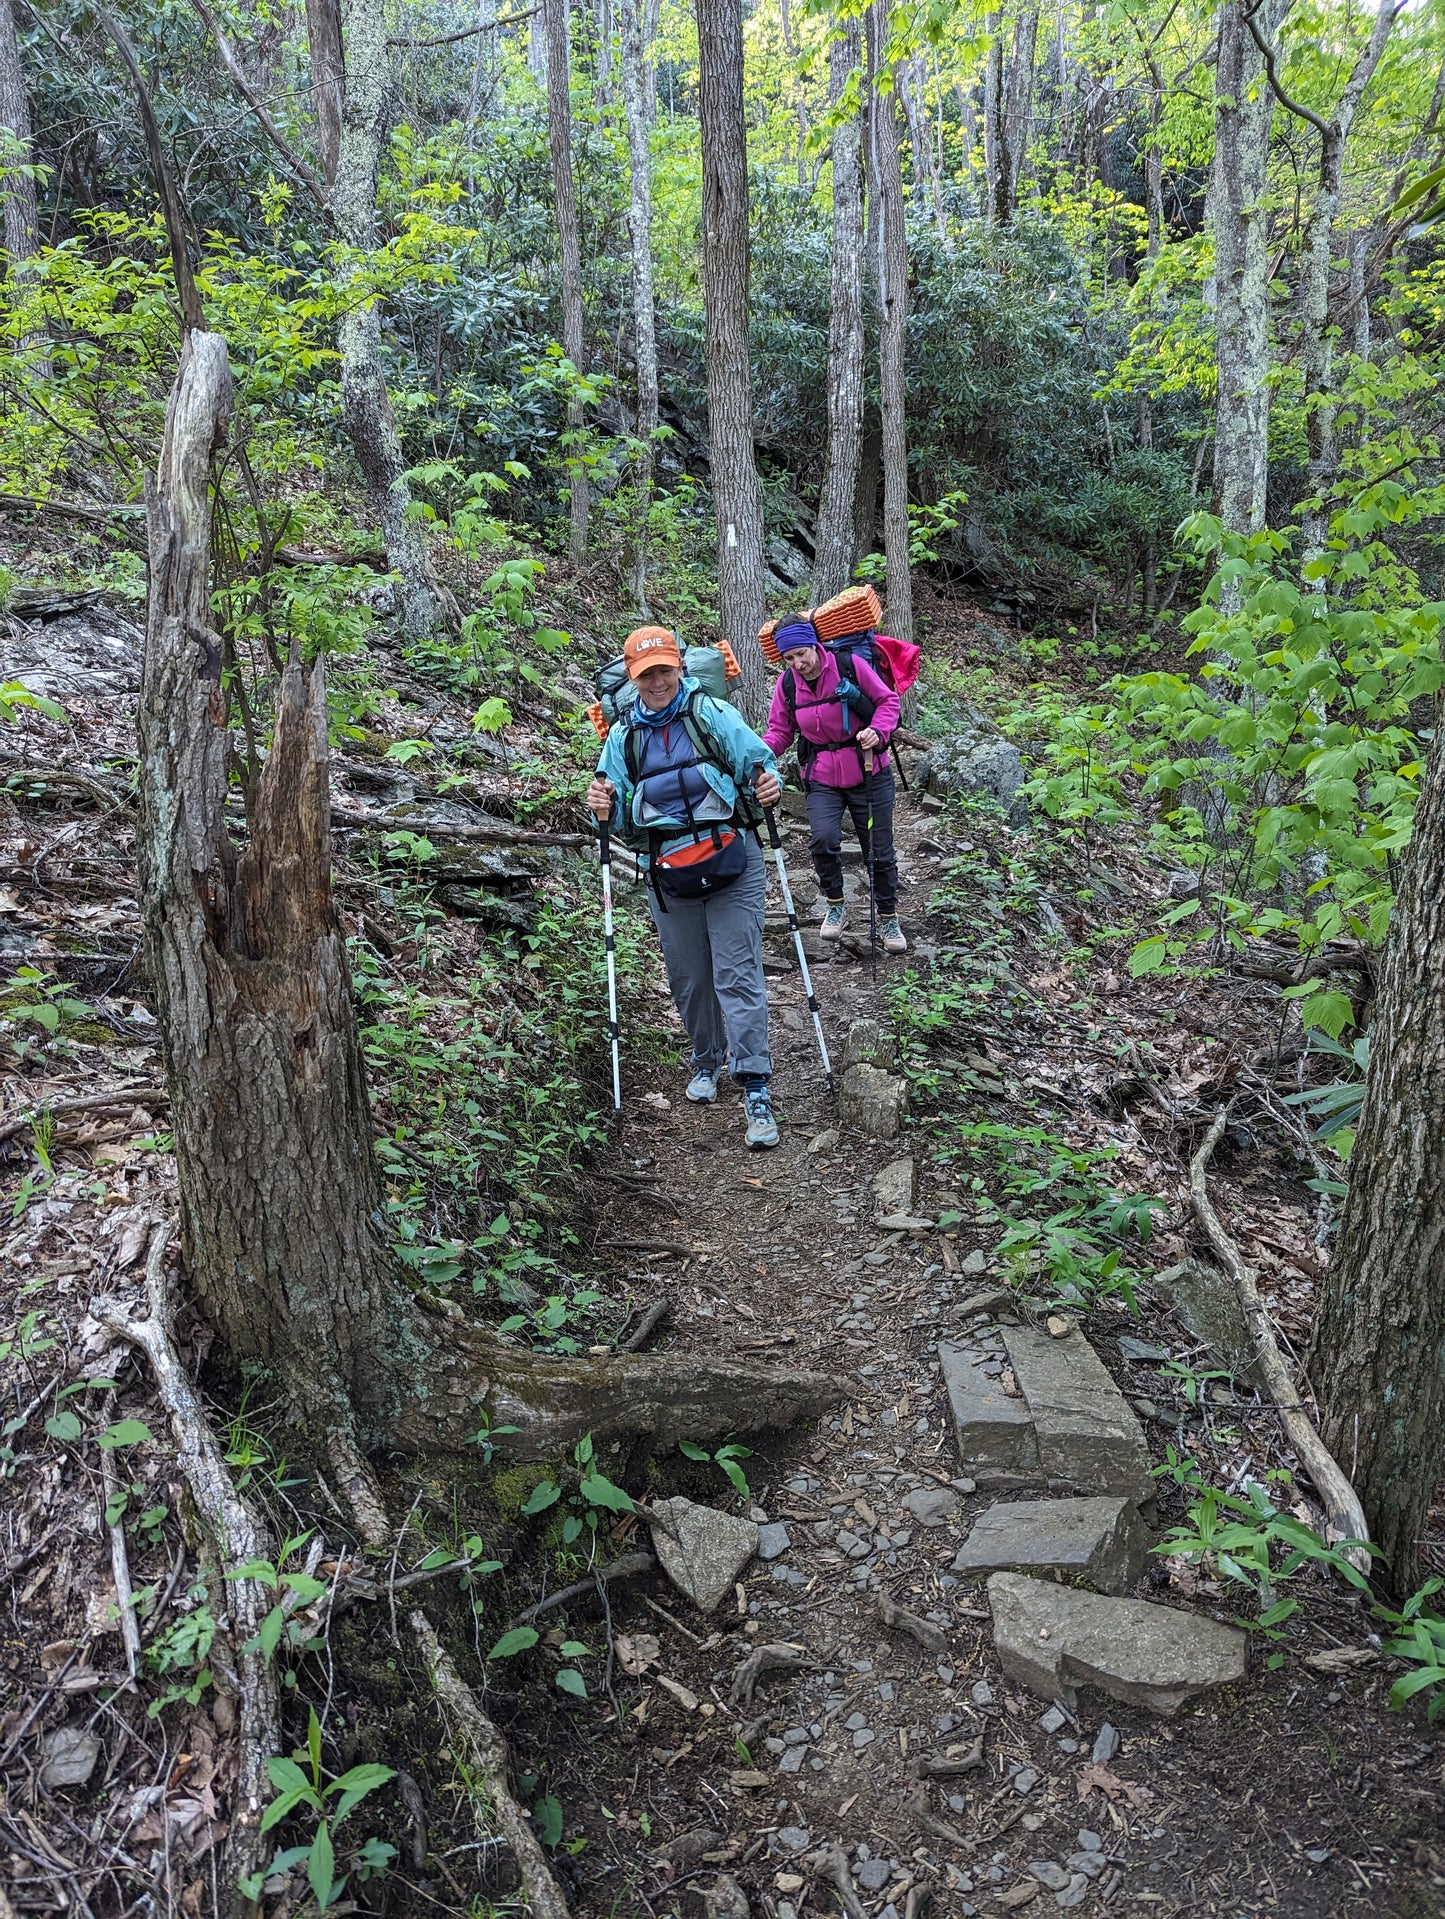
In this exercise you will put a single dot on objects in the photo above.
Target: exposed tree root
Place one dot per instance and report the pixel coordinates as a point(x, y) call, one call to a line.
point(901, 1620)
point(238, 1537)
point(485, 1750)
point(830, 1864)
point(629, 1566)
point(555, 1402)
point(1344, 1516)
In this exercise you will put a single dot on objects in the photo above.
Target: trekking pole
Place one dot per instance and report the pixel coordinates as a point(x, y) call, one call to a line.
point(797, 932)
point(605, 854)
point(872, 881)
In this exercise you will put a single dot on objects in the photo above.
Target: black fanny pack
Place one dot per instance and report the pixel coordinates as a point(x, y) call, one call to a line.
point(705, 865)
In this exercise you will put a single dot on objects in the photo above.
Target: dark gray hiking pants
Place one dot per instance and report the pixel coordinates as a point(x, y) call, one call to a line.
point(714, 953)
point(826, 807)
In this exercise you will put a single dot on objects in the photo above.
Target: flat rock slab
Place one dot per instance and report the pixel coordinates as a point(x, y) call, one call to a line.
point(893, 1187)
point(1097, 1542)
point(702, 1550)
point(872, 1101)
point(1055, 1638)
point(1064, 1424)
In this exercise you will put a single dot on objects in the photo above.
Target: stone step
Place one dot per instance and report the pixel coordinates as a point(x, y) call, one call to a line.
point(1054, 1638)
point(1100, 1542)
point(1069, 1428)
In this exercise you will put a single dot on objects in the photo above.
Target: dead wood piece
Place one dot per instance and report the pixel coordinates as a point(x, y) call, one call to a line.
point(66, 780)
point(120, 1568)
point(920, 1810)
point(92, 1103)
point(675, 1246)
point(629, 1566)
point(948, 1765)
point(484, 1750)
point(830, 1864)
point(645, 1327)
point(920, 1896)
point(774, 1658)
point(923, 1630)
point(238, 1537)
point(493, 830)
point(1344, 1516)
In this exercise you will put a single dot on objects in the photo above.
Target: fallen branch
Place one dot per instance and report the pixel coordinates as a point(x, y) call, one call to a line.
point(238, 1537)
point(629, 1566)
point(66, 779)
point(71, 510)
point(830, 1864)
point(92, 1103)
point(120, 1567)
point(775, 1658)
point(928, 1819)
point(486, 1758)
point(500, 831)
point(646, 1327)
point(1344, 1516)
point(923, 1630)
point(949, 1764)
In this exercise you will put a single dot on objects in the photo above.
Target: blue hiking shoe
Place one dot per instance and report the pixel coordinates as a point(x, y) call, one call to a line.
point(834, 920)
point(762, 1127)
point(702, 1087)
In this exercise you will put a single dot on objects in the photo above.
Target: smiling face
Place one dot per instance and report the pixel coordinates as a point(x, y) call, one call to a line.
point(657, 687)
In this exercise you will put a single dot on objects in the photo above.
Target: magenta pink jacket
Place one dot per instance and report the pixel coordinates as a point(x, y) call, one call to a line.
point(822, 719)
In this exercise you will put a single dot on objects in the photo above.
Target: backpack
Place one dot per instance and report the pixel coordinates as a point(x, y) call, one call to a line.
point(717, 854)
point(711, 666)
point(849, 695)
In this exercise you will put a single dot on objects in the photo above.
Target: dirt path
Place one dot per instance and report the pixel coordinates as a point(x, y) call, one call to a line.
point(1293, 1794)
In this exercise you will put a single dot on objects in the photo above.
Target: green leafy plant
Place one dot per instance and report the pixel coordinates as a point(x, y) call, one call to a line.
point(1337, 1105)
point(1418, 1637)
point(595, 1495)
point(183, 1647)
point(300, 1783)
point(295, 1589)
point(725, 1459)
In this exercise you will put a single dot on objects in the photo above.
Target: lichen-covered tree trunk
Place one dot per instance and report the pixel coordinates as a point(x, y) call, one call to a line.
point(637, 100)
point(1378, 1356)
point(737, 497)
point(1017, 122)
point(833, 548)
point(1243, 110)
point(370, 422)
point(891, 240)
point(569, 246)
point(281, 1205)
point(18, 187)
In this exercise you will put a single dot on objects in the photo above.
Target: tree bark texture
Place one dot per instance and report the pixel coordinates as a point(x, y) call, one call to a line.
point(993, 114)
point(1243, 110)
point(834, 550)
point(920, 140)
point(1378, 1356)
point(737, 497)
point(637, 99)
point(1017, 124)
point(891, 239)
point(569, 245)
point(328, 80)
point(20, 213)
point(283, 1226)
point(1316, 334)
point(370, 421)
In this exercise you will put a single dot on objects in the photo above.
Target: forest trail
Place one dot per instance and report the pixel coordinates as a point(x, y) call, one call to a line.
point(1109, 1808)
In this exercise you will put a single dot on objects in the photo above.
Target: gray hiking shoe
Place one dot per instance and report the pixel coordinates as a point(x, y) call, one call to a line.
point(894, 939)
point(834, 920)
point(762, 1127)
point(702, 1087)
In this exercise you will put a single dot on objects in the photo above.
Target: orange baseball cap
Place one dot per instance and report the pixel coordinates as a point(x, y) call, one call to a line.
point(650, 646)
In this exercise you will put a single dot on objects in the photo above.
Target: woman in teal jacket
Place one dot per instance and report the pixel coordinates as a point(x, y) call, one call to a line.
point(673, 780)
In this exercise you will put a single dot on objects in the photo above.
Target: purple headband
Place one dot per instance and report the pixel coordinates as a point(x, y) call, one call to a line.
point(796, 633)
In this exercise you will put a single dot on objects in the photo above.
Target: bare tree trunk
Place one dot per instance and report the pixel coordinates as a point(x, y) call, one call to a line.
point(800, 105)
point(1380, 1330)
point(569, 240)
point(993, 114)
point(891, 239)
point(637, 98)
point(537, 45)
point(921, 140)
point(737, 497)
point(328, 80)
point(1018, 115)
point(603, 26)
point(1314, 287)
point(487, 65)
point(1243, 110)
point(19, 187)
point(281, 1206)
point(359, 31)
point(834, 542)
point(865, 500)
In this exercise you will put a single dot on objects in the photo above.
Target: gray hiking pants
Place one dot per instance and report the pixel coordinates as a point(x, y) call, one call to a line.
point(714, 953)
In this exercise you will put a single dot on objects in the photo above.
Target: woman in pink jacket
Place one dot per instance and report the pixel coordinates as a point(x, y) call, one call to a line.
point(842, 726)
